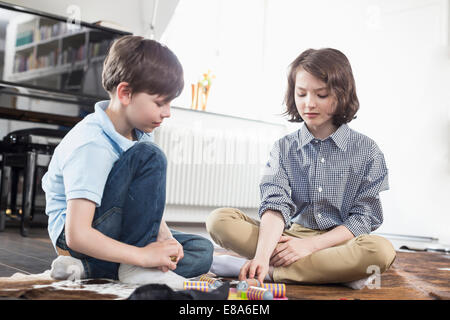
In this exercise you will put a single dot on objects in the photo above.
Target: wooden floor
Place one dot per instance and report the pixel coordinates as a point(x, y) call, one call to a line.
point(30, 255)
point(414, 275)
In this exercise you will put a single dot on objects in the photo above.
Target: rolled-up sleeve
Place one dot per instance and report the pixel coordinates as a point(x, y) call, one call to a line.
point(366, 214)
point(275, 191)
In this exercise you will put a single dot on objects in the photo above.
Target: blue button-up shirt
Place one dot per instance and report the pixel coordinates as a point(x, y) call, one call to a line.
point(321, 184)
point(81, 164)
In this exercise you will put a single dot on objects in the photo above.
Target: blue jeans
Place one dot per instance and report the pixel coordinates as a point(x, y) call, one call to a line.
point(131, 211)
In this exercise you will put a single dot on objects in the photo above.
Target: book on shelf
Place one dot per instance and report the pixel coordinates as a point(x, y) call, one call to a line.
point(24, 38)
point(74, 54)
point(26, 62)
point(46, 32)
point(98, 49)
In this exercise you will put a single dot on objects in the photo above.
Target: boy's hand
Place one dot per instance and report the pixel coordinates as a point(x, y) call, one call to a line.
point(174, 258)
point(159, 253)
point(165, 234)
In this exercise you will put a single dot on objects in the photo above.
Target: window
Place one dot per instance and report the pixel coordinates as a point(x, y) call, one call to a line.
point(226, 37)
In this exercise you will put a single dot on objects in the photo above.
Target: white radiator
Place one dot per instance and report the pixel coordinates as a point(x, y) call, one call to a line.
point(214, 168)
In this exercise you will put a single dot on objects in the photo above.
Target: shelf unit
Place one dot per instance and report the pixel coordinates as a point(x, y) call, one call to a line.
point(48, 52)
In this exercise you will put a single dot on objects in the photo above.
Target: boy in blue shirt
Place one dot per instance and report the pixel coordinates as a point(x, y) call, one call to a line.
point(105, 185)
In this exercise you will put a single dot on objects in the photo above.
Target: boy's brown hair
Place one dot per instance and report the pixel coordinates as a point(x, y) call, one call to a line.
point(146, 65)
point(332, 67)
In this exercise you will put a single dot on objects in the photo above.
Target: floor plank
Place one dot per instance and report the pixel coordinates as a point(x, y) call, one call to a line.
point(39, 253)
point(32, 254)
point(24, 262)
point(6, 270)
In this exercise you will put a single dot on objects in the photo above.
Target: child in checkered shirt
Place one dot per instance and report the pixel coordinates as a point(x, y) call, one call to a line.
point(319, 193)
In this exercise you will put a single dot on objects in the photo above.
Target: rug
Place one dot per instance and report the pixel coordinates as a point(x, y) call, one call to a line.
point(412, 276)
point(43, 287)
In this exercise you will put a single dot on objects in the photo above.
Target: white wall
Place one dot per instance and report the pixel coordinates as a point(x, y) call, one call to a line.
point(225, 37)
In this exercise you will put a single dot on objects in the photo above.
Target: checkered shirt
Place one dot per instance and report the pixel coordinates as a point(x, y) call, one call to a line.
point(321, 184)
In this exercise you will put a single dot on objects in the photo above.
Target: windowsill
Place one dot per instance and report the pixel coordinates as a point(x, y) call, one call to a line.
point(228, 116)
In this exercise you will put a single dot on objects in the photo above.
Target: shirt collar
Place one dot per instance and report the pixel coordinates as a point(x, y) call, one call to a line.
point(305, 136)
point(109, 129)
point(340, 136)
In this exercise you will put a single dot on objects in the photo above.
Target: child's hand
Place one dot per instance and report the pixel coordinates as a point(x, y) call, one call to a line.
point(159, 253)
point(254, 268)
point(180, 254)
point(290, 249)
point(174, 258)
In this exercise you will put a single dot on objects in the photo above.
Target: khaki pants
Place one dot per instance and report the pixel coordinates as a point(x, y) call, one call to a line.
point(232, 229)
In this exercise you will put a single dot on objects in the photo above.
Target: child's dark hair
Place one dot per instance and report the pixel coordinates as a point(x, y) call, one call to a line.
point(332, 67)
point(146, 65)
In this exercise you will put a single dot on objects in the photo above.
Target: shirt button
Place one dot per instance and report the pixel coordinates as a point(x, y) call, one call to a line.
point(322, 160)
point(319, 215)
point(320, 189)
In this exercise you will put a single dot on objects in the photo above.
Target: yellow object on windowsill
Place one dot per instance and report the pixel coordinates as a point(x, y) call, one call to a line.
point(200, 91)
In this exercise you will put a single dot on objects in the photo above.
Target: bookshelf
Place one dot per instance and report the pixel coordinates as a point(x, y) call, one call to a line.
point(52, 53)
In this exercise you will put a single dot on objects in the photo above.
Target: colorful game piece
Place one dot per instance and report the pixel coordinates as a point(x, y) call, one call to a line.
point(233, 294)
point(257, 293)
point(215, 283)
point(245, 284)
point(278, 289)
point(197, 285)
